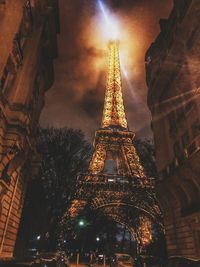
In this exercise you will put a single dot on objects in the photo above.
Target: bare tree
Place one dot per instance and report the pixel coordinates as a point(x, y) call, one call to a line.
point(64, 153)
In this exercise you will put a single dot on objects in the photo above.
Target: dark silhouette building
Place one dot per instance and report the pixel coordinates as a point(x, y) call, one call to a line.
point(173, 79)
point(28, 46)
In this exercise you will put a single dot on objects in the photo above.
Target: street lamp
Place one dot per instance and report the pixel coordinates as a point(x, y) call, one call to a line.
point(38, 237)
point(81, 223)
point(97, 239)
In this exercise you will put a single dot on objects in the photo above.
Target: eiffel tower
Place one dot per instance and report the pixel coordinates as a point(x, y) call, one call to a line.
point(116, 184)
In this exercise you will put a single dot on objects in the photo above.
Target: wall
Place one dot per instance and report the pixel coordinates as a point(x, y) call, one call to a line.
point(173, 79)
point(27, 49)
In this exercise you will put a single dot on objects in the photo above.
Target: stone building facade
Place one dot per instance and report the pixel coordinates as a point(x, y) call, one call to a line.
point(28, 46)
point(173, 79)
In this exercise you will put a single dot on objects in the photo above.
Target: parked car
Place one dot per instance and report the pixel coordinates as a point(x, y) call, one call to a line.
point(179, 261)
point(121, 260)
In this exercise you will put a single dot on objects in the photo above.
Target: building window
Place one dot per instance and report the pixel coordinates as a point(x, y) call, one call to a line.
point(172, 124)
point(195, 129)
point(29, 11)
point(172, 167)
point(180, 114)
point(197, 239)
point(4, 77)
point(185, 139)
point(198, 83)
point(27, 22)
point(189, 106)
point(36, 91)
point(17, 51)
point(192, 148)
point(185, 6)
point(177, 148)
point(172, 119)
point(4, 175)
point(192, 38)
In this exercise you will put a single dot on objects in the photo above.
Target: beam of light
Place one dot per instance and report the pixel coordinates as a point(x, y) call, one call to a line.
point(163, 114)
point(129, 85)
point(177, 97)
point(111, 27)
point(123, 68)
point(105, 15)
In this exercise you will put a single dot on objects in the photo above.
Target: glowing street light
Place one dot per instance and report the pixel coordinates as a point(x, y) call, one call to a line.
point(97, 239)
point(81, 223)
point(38, 237)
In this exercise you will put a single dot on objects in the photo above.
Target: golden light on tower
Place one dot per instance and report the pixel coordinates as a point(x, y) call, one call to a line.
point(113, 113)
point(114, 121)
point(75, 207)
point(145, 231)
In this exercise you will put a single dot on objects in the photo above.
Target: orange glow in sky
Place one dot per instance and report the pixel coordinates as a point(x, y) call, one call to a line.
point(76, 98)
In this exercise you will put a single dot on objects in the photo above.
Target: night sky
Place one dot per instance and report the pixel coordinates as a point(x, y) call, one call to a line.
point(76, 98)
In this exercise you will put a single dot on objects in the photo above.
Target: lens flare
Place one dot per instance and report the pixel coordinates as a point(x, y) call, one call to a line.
point(167, 108)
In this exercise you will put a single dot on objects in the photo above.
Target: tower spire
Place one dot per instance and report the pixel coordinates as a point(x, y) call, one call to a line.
point(113, 113)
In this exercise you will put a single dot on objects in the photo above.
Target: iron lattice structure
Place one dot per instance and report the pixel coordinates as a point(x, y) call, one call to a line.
point(123, 192)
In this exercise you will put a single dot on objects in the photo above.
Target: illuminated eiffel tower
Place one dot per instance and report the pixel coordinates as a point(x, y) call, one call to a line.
point(116, 184)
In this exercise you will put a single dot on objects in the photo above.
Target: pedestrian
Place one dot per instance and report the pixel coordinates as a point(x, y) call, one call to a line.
point(93, 259)
point(66, 261)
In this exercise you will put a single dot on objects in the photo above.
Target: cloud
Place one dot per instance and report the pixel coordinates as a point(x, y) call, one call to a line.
point(76, 98)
